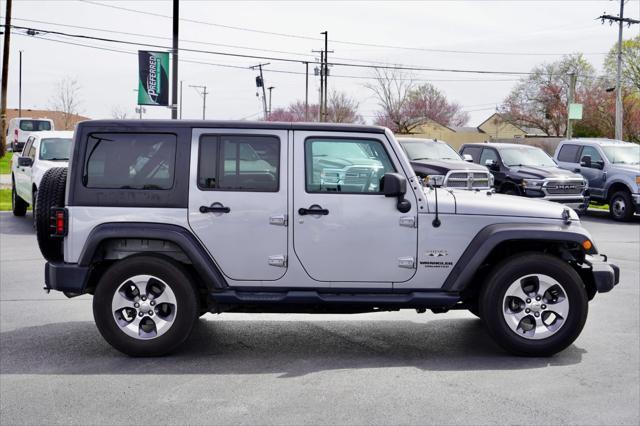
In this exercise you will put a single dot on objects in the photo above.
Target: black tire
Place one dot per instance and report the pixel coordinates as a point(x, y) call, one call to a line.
point(166, 270)
point(510, 270)
point(620, 206)
point(18, 205)
point(50, 194)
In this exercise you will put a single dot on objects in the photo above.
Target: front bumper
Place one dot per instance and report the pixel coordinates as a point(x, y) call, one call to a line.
point(69, 278)
point(605, 275)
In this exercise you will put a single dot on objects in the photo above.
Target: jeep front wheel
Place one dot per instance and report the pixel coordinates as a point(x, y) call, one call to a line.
point(145, 305)
point(534, 304)
point(18, 205)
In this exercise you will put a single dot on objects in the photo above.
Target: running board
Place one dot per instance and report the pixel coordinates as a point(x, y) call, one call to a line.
point(418, 299)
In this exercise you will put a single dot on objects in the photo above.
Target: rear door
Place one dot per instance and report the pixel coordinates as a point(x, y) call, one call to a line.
point(345, 230)
point(238, 200)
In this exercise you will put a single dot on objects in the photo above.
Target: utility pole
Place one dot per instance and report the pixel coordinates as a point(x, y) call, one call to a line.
point(20, 88)
point(204, 94)
point(260, 83)
point(321, 72)
point(570, 98)
point(5, 78)
point(174, 72)
point(270, 89)
point(621, 20)
point(180, 99)
point(306, 92)
point(325, 74)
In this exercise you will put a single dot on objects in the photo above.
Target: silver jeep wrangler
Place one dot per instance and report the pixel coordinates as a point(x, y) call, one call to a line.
point(163, 221)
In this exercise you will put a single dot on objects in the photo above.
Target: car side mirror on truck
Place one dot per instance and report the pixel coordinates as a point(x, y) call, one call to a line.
point(492, 164)
point(586, 161)
point(25, 162)
point(395, 185)
point(468, 158)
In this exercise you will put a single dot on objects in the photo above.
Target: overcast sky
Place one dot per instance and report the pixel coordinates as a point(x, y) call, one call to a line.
point(536, 31)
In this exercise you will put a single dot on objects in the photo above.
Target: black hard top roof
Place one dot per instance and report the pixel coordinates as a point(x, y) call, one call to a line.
point(271, 125)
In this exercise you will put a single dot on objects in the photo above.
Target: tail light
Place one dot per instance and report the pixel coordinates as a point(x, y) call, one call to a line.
point(59, 222)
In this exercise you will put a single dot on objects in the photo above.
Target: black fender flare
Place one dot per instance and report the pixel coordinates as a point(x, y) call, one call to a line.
point(481, 246)
point(202, 261)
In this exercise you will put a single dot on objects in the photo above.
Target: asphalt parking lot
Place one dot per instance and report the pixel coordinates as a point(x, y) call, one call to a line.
point(400, 368)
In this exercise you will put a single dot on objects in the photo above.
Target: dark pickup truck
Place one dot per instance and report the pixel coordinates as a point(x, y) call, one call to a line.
point(430, 157)
point(529, 172)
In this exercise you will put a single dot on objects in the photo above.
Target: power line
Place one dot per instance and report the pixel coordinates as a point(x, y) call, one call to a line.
point(352, 43)
point(32, 31)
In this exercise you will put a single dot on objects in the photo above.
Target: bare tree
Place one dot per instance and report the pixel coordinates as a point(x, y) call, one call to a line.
point(392, 88)
point(343, 109)
point(119, 113)
point(429, 102)
point(66, 100)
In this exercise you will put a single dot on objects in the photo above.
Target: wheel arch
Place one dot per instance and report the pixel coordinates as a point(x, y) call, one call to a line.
point(496, 242)
point(103, 236)
point(615, 186)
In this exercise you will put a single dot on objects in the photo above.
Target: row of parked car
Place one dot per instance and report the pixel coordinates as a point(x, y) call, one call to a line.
point(602, 171)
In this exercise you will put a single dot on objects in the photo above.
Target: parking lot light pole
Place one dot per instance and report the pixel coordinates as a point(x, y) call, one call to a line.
point(5, 77)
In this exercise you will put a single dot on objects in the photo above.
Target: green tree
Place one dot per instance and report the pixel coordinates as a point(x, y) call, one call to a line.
point(630, 63)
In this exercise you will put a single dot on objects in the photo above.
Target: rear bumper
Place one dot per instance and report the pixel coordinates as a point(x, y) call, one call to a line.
point(66, 277)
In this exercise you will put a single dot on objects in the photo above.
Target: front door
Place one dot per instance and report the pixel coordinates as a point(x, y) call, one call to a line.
point(345, 229)
point(238, 200)
point(593, 174)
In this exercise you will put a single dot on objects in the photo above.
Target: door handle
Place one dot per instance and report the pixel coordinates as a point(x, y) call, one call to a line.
point(314, 209)
point(215, 208)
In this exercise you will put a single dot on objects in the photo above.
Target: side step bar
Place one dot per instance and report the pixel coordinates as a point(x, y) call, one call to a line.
point(303, 297)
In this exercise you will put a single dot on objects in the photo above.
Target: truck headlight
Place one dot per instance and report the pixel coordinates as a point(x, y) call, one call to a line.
point(532, 183)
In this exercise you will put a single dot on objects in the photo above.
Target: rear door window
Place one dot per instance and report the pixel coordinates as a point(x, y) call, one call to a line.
point(35, 125)
point(569, 153)
point(474, 152)
point(239, 163)
point(130, 161)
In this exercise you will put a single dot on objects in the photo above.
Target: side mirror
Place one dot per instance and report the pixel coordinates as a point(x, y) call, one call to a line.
point(468, 158)
point(491, 164)
point(599, 164)
point(585, 161)
point(395, 185)
point(25, 162)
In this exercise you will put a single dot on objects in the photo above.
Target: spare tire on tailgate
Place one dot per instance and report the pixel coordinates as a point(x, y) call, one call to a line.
point(50, 194)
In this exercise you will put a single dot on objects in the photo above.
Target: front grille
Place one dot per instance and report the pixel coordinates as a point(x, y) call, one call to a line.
point(564, 187)
point(468, 180)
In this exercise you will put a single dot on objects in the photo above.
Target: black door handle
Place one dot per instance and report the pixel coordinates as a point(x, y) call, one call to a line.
point(215, 208)
point(314, 209)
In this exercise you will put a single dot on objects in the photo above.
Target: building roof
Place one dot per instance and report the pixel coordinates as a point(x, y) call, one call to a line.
point(467, 129)
point(56, 116)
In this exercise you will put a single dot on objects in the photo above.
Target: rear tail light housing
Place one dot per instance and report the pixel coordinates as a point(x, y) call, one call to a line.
point(59, 222)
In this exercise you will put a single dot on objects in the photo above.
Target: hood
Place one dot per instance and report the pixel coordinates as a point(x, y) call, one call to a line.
point(441, 167)
point(626, 168)
point(539, 172)
point(479, 203)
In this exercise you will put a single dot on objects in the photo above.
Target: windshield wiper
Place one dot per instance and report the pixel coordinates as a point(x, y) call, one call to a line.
point(56, 159)
point(422, 158)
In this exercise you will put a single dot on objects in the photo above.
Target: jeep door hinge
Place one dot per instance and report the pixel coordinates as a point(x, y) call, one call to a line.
point(280, 220)
point(409, 221)
point(407, 262)
point(279, 260)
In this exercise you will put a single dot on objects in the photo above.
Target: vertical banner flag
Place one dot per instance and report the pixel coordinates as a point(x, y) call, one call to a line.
point(153, 84)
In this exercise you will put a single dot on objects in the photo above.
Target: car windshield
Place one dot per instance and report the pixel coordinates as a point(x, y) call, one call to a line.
point(429, 151)
point(525, 156)
point(35, 125)
point(55, 149)
point(627, 154)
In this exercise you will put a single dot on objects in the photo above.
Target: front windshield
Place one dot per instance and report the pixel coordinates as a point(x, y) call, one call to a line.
point(55, 149)
point(526, 156)
point(429, 151)
point(627, 154)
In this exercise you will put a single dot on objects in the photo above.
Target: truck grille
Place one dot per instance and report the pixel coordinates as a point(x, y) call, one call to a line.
point(564, 187)
point(463, 179)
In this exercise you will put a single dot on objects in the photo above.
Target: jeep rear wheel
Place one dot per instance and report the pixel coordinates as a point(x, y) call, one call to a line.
point(621, 206)
point(145, 305)
point(534, 304)
point(50, 194)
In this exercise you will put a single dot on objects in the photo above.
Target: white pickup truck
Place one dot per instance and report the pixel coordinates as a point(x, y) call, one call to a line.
point(42, 151)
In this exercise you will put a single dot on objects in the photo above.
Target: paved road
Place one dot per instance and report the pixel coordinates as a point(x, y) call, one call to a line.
point(282, 369)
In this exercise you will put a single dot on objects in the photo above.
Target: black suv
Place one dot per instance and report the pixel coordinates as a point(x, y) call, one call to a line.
point(431, 157)
point(528, 171)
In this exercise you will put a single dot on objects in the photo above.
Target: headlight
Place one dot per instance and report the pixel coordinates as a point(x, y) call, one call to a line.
point(532, 183)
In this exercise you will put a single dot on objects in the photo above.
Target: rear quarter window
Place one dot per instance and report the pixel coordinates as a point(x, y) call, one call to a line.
point(141, 161)
point(569, 153)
